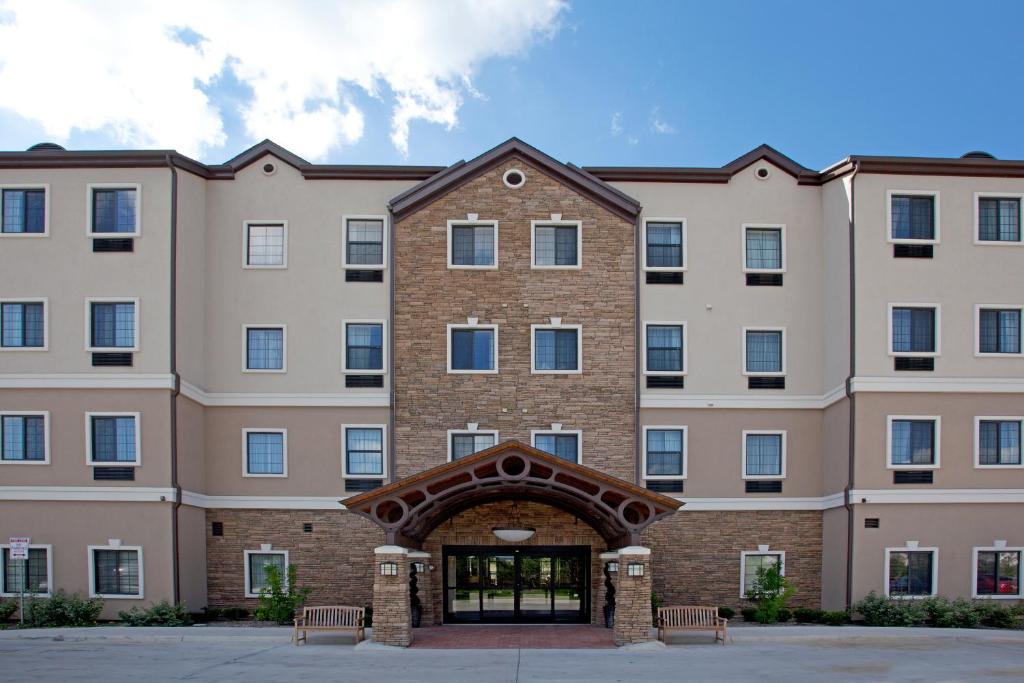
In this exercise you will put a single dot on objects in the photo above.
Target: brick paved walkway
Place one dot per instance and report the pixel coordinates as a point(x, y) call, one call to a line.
point(518, 636)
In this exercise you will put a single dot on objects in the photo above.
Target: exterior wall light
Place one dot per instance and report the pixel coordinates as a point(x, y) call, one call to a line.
point(389, 569)
point(420, 567)
point(635, 569)
point(613, 566)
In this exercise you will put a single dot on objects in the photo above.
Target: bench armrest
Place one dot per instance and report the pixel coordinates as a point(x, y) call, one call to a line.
point(299, 622)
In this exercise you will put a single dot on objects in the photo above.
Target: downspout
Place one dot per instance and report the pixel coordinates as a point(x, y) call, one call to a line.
point(850, 395)
point(637, 350)
point(392, 460)
point(176, 390)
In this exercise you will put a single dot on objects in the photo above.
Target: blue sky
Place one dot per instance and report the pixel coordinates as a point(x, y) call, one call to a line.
point(594, 82)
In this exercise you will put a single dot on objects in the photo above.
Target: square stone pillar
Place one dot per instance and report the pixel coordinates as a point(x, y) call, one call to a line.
point(633, 596)
point(425, 585)
point(392, 622)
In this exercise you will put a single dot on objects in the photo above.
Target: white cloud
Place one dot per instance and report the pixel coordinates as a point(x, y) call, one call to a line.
point(660, 126)
point(133, 71)
point(616, 127)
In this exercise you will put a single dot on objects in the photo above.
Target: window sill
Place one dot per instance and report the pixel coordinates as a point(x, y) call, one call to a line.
point(454, 267)
point(47, 462)
point(247, 475)
point(247, 267)
point(116, 596)
point(126, 463)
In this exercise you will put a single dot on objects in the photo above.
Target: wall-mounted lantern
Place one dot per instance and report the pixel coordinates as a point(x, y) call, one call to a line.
point(635, 569)
point(389, 569)
point(420, 567)
point(613, 566)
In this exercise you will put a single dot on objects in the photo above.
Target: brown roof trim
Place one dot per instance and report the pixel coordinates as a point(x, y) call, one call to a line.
point(983, 168)
point(368, 172)
point(102, 159)
point(462, 172)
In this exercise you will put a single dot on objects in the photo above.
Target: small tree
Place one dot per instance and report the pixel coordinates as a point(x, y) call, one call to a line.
point(280, 599)
point(771, 591)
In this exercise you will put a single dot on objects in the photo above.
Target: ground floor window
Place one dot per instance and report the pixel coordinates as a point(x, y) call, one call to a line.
point(364, 450)
point(116, 572)
point(256, 564)
point(997, 573)
point(468, 443)
point(32, 576)
point(751, 562)
point(911, 573)
point(565, 445)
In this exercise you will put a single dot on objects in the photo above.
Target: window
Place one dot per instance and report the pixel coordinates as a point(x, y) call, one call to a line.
point(364, 347)
point(751, 562)
point(112, 324)
point(563, 444)
point(764, 454)
point(256, 563)
point(557, 349)
point(910, 572)
point(913, 329)
point(913, 217)
point(24, 211)
point(463, 443)
point(664, 351)
point(764, 351)
point(266, 453)
point(115, 572)
point(473, 348)
point(998, 219)
point(364, 451)
point(363, 242)
point(556, 244)
point(764, 248)
point(266, 244)
point(997, 573)
point(997, 441)
point(32, 577)
point(472, 244)
point(23, 324)
point(264, 348)
point(114, 210)
point(24, 438)
point(999, 330)
point(664, 453)
point(665, 246)
point(113, 438)
point(913, 442)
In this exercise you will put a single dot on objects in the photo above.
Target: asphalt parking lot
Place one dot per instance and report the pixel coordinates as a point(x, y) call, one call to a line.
point(794, 654)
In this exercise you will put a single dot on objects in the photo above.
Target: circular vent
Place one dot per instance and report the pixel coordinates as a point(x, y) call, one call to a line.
point(46, 147)
point(268, 168)
point(762, 173)
point(514, 178)
point(977, 154)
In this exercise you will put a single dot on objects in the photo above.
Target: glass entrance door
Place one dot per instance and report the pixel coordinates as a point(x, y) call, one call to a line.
point(536, 584)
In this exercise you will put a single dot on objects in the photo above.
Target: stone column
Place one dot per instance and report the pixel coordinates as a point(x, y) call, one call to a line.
point(425, 584)
point(392, 623)
point(633, 597)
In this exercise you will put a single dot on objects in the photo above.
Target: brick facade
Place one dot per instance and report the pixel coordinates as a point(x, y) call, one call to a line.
point(392, 623)
point(633, 617)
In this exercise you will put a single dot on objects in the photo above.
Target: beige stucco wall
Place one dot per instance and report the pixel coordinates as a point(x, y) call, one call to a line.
point(834, 530)
point(835, 452)
point(191, 278)
point(192, 556)
point(835, 254)
point(191, 445)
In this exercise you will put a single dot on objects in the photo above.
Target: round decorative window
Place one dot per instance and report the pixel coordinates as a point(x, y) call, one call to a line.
point(514, 178)
point(268, 169)
point(762, 173)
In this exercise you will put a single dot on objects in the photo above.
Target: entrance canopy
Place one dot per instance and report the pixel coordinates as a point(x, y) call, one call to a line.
point(408, 510)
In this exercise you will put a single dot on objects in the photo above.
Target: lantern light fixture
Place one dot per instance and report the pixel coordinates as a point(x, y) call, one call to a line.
point(635, 569)
point(389, 569)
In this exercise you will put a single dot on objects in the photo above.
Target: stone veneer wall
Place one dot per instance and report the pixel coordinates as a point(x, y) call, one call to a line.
point(428, 296)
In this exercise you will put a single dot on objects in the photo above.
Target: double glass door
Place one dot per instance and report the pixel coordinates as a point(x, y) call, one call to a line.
point(499, 584)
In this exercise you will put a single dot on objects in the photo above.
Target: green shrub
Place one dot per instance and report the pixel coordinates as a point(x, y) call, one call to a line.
point(62, 610)
point(281, 597)
point(162, 613)
point(784, 615)
point(945, 613)
point(995, 615)
point(368, 616)
point(234, 613)
point(806, 615)
point(880, 611)
point(749, 613)
point(7, 609)
point(726, 612)
point(771, 592)
point(835, 618)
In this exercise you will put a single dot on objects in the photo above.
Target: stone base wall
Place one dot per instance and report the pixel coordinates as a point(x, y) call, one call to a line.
point(633, 615)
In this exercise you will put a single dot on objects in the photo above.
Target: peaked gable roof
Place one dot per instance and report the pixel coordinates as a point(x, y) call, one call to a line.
point(462, 172)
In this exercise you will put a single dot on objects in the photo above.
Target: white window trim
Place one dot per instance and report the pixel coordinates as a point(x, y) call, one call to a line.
point(978, 308)
point(467, 326)
point(383, 451)
point(245, 348)
point(974, 574)
point(494, 226)
point(937, 332)
point(248, 578)
point(977, 441)
point(533, 349)
point(534, 433)
point(763, 328)
point(111, 186)
point(121, 463)
point(743, 458)
point(743, 565)
point(977, 219)
point(935, 572)
point(686, 447)
point(682, 241)
point(383, 346)
point(46, 436)
point(469, 432)
point(45, 301)
point(889, 419)
point(781, 227)
point(92, 573)
point(89, 301)
point(49, 571)
point(45, 187)
point(245, 244)
point(558, 224)
point(889, 194)
point(245, 451)
point(686, 347)
point(383, 242)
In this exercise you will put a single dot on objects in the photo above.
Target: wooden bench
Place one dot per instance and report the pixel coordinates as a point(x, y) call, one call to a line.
point(691, 618)
point(336, 618)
